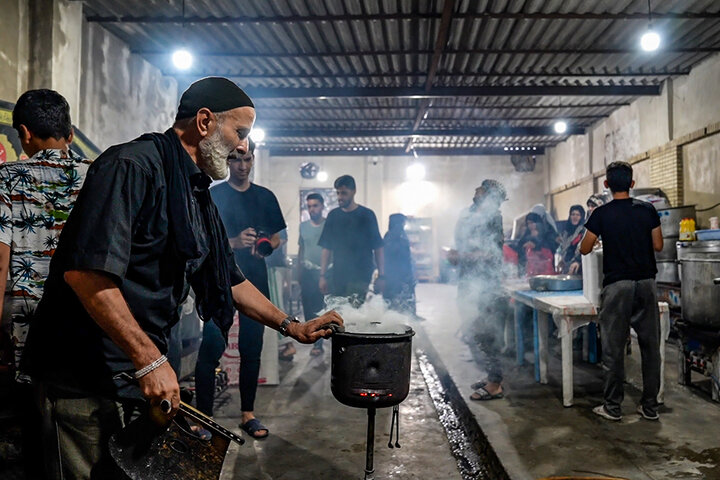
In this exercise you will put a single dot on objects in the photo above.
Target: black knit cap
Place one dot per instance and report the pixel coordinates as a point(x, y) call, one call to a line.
point(215, 93)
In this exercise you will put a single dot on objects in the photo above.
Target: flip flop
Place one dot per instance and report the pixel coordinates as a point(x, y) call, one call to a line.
point(285, 357)
point(201, 433)
point(481, 395)
point(251, 427)
point(317, 351)
point(479, 384)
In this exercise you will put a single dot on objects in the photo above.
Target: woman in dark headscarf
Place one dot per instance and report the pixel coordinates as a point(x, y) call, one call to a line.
point(537, 246)
point(570, 238)
point(399, 291)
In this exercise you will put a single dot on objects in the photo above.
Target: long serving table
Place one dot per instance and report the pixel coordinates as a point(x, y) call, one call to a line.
point(569, 311)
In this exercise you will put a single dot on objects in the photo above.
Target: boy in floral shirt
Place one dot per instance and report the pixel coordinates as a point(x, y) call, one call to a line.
point(36, 196)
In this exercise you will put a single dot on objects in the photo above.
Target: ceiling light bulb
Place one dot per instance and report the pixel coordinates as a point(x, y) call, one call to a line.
point(182, 59)
point(257, 135)
point(415, 172)
point(560, 126)
point(322, 176)
point(650, 41)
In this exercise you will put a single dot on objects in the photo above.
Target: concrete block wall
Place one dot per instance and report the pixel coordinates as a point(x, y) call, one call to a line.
point(381, 185)
point(672, 140)
point(666, 172)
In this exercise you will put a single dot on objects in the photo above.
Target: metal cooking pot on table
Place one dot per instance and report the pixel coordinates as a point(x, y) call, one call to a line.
point(556, 283)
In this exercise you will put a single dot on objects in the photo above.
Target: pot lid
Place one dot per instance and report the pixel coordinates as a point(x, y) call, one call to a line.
point(711, 247)
point(376, 328)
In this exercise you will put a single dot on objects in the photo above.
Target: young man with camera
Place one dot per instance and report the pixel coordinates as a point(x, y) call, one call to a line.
point(253, 219)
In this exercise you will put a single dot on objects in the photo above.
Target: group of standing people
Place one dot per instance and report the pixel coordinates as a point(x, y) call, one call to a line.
point(100, 256)
point(630, 233)
point(545, 249)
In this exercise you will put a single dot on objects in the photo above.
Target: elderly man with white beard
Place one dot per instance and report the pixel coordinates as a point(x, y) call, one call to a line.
point(143, 231)
point(479, 242)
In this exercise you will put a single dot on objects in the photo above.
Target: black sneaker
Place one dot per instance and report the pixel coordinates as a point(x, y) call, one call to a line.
point(647, 416)
point(602, 411)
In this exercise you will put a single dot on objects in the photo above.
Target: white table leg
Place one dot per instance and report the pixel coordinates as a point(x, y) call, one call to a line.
point(664, 334)
point(543, 331)
point(567, 360)
point(715, 389)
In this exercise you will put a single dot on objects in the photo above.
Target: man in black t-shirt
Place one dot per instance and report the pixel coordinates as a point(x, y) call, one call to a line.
point(350, 236)
point(249, 213)
point(630, 231)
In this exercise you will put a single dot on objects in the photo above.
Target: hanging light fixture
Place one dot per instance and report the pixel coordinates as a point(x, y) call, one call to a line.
point(182, 59)
point(650, 41)
point(560, 127)
point(257, 135)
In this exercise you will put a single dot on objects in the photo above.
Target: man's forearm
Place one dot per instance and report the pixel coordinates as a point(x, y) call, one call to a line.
point(324, 261)
point(104, 301)
point(275, 241)
point(255, 305)
point(380, 260)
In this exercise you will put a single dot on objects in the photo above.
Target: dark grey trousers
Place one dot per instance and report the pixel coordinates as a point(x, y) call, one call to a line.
point(625, 304)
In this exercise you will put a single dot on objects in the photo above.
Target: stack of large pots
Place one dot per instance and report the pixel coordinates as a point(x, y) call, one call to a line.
point(700, 270)
point(667, 258)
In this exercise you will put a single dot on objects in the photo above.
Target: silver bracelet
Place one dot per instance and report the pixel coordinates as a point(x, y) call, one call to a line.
point(149, 368)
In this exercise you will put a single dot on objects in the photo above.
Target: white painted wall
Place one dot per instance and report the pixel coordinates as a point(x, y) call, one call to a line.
point(381, 185)
point(114, 96)
point(123, 96)
point(14, 51)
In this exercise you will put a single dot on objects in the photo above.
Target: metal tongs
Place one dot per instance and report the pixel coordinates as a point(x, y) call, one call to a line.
point(192, 413)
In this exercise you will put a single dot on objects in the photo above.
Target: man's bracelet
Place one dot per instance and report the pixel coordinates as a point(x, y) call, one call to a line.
point(149, 368)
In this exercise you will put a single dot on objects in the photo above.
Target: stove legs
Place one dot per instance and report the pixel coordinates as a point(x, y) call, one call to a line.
point(370, 447)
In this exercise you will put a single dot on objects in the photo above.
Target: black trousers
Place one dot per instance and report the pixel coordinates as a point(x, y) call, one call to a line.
point(625, 304)
point(250, 343)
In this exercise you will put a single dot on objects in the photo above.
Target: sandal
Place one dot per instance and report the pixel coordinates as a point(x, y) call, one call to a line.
point(251, 427)
point(481, 394)
point(317, 351)
point(285, 356)
point(201, 433)
point(479, 384)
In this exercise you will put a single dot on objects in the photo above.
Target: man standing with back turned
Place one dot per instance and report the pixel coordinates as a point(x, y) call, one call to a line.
point(630, 231)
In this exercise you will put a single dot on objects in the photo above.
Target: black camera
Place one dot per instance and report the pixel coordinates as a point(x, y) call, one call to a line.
point(263, 246)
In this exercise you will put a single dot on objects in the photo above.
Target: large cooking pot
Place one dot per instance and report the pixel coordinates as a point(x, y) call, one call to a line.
point(371, 369)
point(556, 283)
point(667, 272)
point(669, 250)
point(700, 279)
point(670, 219)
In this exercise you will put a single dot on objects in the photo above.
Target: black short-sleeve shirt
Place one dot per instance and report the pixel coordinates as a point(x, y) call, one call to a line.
point(119, 227)
point(352, 237)
point(258, 208)
point(626, 227)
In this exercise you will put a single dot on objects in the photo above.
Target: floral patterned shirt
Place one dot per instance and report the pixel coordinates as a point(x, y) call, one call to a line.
point(36, 196)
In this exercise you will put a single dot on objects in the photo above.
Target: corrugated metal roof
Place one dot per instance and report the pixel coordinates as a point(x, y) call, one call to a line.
point(294, 50)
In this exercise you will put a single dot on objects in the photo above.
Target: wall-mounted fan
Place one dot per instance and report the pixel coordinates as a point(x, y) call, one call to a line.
point(309, 170)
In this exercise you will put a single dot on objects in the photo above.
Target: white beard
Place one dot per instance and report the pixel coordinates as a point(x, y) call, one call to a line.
point(213, 156)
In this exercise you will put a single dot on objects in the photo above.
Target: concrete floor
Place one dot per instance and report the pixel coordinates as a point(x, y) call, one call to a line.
point(313, 436)
point(535, 437)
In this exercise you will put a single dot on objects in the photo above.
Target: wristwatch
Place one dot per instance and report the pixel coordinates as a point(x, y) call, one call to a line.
point(283, 329)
